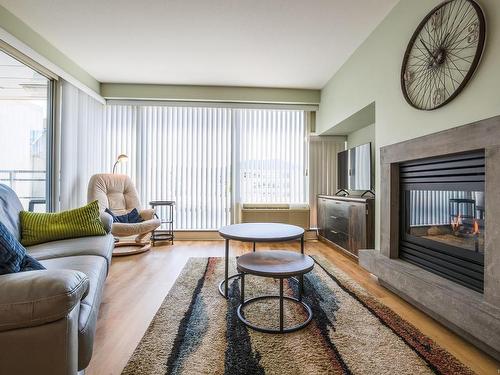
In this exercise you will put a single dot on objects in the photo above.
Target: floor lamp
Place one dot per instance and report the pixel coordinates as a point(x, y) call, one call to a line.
point(121, 158)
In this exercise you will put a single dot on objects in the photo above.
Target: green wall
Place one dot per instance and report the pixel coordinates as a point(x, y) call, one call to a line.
point(372, 75)
point(361, 136)
point(28, 36)
point(209, 93)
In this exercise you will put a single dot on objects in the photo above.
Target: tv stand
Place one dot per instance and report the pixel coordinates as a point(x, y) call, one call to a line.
point(342, 190)
point(348, 223)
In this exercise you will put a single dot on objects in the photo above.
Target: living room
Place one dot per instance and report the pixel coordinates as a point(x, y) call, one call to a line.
point(264, 187)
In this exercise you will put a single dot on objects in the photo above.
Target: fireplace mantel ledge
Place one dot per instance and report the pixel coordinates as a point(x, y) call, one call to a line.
point(461, 309)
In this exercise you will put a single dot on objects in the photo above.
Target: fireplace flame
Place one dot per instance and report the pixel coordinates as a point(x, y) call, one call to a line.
point(475, 227)
point(456, 222)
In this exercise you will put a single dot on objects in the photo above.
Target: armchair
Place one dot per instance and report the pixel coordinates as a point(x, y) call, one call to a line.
point(117, 193)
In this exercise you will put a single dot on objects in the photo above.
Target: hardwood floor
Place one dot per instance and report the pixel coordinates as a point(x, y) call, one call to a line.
point(137, 285)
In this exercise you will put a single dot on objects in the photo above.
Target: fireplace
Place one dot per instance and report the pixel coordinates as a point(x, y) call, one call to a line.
point(442, 214)
point(439, 204)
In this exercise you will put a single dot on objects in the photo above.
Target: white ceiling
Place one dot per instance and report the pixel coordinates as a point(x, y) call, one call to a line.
point(267, 43)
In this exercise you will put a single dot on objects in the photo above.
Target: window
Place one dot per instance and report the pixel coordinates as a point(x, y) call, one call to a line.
point(206, 157)
point(25, 125)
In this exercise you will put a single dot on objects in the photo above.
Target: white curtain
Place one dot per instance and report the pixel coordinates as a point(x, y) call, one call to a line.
point(323, 152)
point(82, 118)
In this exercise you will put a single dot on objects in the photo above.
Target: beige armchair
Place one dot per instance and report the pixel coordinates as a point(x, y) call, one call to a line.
point(117, 193)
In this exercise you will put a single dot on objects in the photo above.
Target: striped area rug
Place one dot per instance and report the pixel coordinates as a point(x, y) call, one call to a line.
point(196, 331)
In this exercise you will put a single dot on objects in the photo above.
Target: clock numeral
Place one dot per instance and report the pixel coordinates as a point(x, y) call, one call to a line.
point(437, 20)
point(438, 96)
point(473, 31)
point(409, 77)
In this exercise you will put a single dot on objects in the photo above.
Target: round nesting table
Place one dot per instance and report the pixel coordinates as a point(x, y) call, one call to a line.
point(276, 264)
point(256, 232)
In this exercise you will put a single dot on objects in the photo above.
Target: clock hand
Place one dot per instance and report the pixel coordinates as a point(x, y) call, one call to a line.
point(444, 40)
point(428, 50)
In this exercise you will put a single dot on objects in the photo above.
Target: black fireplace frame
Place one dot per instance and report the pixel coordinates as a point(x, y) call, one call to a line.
point(464, 171)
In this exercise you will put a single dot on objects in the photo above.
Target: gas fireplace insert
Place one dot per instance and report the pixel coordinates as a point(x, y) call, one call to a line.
point(442, 216)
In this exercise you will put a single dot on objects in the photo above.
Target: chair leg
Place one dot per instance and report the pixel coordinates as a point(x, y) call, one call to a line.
point(130, 248)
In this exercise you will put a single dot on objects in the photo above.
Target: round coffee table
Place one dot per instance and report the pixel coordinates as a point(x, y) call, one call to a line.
point(276, 264)
point(256, 232)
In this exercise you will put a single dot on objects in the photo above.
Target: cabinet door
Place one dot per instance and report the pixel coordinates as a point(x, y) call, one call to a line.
point(357, 228)
point(339, 209)
point(322, 222)
point(339, 238)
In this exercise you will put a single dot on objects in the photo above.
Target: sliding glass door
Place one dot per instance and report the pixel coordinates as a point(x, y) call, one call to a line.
point(25, 131)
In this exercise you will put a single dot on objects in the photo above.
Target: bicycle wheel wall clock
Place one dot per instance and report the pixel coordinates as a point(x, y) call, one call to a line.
point(443, 54)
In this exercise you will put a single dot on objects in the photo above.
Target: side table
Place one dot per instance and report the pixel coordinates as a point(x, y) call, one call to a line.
point(165, 212)
point(276, 264)
point(256, 232)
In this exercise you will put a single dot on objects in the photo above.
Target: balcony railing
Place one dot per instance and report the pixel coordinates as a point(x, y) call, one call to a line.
point(28, 184)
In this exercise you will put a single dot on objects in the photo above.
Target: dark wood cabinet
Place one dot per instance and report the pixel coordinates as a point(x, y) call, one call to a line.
point(347, 222)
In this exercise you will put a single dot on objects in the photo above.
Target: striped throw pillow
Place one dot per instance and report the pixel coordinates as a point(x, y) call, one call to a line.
point(13, 257)
point(44, 227)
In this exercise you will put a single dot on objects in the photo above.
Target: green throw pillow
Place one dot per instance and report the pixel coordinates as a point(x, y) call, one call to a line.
point(44, 227)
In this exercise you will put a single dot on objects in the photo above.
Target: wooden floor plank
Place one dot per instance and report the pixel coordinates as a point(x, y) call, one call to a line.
point(137, 285)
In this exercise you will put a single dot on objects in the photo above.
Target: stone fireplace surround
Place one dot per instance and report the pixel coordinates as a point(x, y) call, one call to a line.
point(473, 315)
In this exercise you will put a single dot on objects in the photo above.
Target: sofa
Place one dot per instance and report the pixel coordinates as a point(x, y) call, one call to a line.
point(48, 317)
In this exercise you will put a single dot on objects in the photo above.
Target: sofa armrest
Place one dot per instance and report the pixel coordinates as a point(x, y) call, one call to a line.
point(147, 214)
point(107, 221)
point(36, 297)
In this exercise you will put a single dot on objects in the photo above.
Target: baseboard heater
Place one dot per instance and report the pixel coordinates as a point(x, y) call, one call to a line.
point(295, 214)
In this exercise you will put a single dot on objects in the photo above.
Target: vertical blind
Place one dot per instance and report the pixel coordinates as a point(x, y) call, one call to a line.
point(207, 158)
point(270, 155)
point(82, 120)
point(175, 153)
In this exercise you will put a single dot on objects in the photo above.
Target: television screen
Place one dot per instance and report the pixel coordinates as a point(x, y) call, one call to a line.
point(354, 168)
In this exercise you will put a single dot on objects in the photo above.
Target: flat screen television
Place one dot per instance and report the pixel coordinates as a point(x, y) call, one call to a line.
point(354, 168)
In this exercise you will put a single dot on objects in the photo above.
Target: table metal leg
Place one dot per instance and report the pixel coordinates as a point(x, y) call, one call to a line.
point(254, 247)
point(242, 292)
point(301, 287)
point(302, 244)
point(281, 305)
point(281, 299)
point(226, 271)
